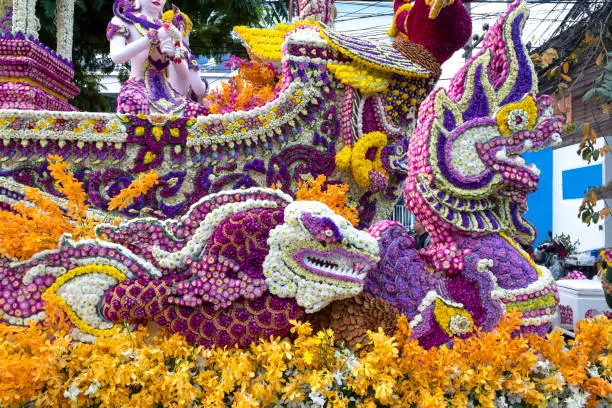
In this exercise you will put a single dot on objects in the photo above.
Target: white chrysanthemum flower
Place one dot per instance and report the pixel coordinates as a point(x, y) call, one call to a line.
point(577, 399)
point(593, 371)
point(72, 392)
point(338, 377)
point(93, 388)
point(317, 398)
point(500, 402)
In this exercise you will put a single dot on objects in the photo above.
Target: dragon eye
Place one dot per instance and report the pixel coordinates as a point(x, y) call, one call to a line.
point(323, 229)
point(516, 117)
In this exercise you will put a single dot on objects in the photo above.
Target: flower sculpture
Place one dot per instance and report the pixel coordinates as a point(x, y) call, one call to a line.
point(319, 10)
point(468, 185)
point(606, 279)
point(238, 266)
point(320, 92)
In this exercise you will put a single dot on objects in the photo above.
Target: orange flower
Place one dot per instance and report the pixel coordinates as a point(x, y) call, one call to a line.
point(333, 195)
point(140, 186)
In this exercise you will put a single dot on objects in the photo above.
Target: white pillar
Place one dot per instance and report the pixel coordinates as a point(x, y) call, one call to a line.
point(33, 22)
point(24, 17)
point(64, 20)
point(20, 15)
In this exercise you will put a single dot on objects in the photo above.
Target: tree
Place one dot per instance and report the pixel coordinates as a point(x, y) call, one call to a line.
point(581, 46)
point(213, 23)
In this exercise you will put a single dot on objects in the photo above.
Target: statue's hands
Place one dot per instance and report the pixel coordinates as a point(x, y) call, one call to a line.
point(167, 47)
point(163, 33)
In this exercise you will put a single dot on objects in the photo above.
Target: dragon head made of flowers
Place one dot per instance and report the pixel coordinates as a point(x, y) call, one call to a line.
point(467, 175)
point(317, 256)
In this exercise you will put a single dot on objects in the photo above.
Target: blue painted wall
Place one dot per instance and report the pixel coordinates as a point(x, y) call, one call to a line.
point(540, 203)
point(576, 182)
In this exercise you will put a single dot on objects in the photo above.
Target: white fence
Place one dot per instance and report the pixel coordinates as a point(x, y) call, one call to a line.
point(402, 215)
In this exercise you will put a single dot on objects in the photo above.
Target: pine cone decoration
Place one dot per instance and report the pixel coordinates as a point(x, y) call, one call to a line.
point(351, 318)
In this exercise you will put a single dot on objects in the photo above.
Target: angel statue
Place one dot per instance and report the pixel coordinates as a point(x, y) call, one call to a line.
point(139, 35)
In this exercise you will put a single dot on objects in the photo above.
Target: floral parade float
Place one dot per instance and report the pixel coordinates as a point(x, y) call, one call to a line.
point(240, 264)
point(243, 240)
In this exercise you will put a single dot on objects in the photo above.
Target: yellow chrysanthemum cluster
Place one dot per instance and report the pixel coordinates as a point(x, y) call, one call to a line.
point(139, 186)
point(264, 43)
point(357, 158)
point(361, 77)
point(42, 364)
point(333, 195)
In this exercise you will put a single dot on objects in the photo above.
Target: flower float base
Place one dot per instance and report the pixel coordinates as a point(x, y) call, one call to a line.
point(33, 77)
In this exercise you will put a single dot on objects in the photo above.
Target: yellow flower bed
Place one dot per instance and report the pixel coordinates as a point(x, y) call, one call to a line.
point(145, 369)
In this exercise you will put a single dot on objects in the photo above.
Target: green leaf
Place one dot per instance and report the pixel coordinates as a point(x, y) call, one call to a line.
point(584, 217)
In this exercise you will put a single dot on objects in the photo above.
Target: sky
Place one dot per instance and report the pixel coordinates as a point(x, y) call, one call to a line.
point(371, 19)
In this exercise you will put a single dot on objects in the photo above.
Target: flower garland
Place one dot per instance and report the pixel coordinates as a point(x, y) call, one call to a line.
point(40, 364)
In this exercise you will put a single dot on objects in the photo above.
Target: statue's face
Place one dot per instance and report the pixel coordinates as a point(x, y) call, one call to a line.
point(152, 8)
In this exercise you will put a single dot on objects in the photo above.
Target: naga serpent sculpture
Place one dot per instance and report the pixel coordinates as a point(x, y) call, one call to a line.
point(468, 185)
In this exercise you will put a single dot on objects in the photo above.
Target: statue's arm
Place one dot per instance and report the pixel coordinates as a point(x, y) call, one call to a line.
point(182, 69)
point(120, 50)
point(198, 86)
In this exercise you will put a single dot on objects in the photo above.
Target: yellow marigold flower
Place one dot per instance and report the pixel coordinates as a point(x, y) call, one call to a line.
point(333, 195)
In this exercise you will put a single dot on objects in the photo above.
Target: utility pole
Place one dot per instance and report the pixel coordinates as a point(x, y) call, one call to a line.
point(468, 51)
